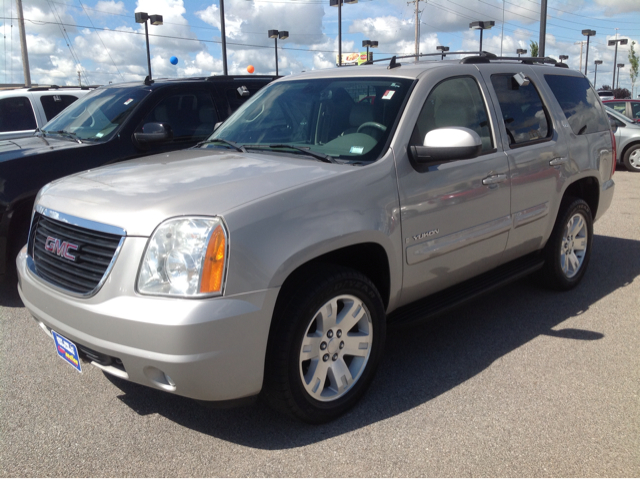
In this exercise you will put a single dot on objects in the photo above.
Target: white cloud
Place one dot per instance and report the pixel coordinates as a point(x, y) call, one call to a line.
point(111, 7)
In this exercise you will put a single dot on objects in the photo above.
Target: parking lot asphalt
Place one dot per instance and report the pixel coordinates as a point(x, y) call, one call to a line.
point(521, 382)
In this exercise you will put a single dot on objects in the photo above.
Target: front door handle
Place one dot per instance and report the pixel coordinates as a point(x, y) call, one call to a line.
point(559, 161)
point(495, 179)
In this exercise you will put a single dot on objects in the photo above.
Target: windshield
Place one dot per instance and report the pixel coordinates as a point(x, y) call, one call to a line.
point(345, 118)
point(97, 115)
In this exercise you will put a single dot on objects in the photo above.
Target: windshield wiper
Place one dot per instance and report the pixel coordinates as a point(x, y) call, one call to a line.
point(305, 150)
point(66, 134)
point(232, 144)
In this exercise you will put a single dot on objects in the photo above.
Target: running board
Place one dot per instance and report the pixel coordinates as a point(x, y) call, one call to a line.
point(441, 302)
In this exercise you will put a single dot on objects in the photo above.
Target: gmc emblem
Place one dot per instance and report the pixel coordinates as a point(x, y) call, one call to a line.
point(61, 248)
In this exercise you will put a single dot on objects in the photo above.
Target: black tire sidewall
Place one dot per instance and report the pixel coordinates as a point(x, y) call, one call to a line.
point(556, 278)
point(329, 284)
point(627, 162)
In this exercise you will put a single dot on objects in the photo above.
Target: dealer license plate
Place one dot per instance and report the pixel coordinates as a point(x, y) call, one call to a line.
point(67, 350)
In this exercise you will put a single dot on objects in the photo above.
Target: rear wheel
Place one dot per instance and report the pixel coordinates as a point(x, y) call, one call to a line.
point(325, 345)
point(568, 250)
point(632, 159)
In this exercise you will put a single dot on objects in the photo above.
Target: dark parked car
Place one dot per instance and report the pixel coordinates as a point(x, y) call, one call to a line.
point(628, 108)
point(112, 123)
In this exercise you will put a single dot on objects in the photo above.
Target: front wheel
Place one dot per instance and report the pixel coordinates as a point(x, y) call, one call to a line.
point(325, 345)
point(631, 159)
point(568, 250)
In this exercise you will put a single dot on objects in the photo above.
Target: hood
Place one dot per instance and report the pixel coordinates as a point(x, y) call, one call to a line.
point(138, 195)
point(35, 145)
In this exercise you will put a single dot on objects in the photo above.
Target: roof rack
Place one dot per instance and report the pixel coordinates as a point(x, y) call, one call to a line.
point(473, 58)
point(56, 87)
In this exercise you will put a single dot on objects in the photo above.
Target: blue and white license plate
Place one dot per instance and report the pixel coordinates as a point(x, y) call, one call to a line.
point(67, 351)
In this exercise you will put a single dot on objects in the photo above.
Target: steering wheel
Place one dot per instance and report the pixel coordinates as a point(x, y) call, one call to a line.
point(371, 124)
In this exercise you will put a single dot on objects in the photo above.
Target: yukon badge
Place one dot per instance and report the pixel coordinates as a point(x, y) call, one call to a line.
point(425, 235)
point(60, 248)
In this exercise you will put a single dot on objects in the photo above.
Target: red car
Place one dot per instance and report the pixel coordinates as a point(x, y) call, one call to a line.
point(628, 108)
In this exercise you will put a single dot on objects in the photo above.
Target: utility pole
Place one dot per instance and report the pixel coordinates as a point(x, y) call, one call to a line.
point(79, 79)
point(417, 27)
point(543, 28)
point(23, 45)
point(581, 45)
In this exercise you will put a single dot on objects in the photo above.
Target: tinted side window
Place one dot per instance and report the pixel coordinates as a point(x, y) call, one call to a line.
point(524, 115)
point(54, 104)
point(191, 116)
point(579, 103)
point(615, 121)
point(454, 102)
point(635, 110)
point(16, 114)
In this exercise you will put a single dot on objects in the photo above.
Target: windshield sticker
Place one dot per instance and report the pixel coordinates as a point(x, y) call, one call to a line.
point(357, 150)
point(99, 135)
point(395, 85)
point(128, 101)
point(388, 94)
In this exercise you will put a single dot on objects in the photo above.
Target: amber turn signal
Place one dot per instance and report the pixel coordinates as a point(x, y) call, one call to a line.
point(214, 261)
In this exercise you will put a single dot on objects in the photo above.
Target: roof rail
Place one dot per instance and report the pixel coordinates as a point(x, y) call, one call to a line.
point(477, 57)
point(56, 87)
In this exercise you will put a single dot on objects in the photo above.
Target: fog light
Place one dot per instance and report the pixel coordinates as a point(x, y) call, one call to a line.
point(159, 378)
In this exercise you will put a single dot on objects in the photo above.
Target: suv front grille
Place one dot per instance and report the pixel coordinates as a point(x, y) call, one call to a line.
point(69, 256)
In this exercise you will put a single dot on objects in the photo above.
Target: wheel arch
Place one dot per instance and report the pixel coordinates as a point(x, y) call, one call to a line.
point(588, 189)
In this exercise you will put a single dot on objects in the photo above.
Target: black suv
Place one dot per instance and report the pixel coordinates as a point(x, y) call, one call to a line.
point(112, 123)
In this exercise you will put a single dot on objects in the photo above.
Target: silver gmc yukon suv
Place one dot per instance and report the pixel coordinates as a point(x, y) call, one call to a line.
point(269, 259)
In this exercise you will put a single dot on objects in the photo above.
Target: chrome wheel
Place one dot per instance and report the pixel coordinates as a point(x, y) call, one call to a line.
point(574, 245)
point(335, 348)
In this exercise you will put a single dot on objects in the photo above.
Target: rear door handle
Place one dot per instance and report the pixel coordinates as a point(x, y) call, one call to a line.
point(495, 179)
point(559, 161)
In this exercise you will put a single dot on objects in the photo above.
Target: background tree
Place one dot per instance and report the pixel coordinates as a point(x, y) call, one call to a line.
point(633, 61)
point(605, 88)
point(621, 93)
point(534, 48)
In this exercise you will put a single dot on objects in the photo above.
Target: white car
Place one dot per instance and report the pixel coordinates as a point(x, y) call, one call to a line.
point(606, 95)
point(22, 110)
point(627, 135)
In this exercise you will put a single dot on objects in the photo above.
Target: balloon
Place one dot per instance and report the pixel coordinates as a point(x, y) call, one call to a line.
point(250, 69)
point(173, 60)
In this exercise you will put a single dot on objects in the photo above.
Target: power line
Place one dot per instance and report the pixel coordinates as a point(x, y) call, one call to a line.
point(99, 37)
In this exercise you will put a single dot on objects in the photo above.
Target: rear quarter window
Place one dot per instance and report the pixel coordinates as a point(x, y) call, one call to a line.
point(579, 103)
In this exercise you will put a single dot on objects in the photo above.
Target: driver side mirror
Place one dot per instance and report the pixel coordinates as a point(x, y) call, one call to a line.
point(153, 133)
point(446, 144)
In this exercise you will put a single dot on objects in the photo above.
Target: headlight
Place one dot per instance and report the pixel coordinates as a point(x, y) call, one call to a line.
point(185, 257)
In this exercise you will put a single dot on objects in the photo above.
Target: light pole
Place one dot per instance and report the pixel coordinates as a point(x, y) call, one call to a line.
point(369, 44)
point(620, 65)
point(563, 57)
point(621, 41)
point(478, 25)
point(282, 35)
point(142, 17)
point(587, 33)
point(442, 49)
point(597, 62)
point(338, 3)
point(521, 51)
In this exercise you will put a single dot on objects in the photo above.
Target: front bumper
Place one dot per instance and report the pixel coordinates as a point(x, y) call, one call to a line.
point(210, 349)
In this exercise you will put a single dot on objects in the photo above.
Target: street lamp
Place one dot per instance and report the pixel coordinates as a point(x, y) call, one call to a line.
point(486, 25)
point(620, 65)
point(442, 49)
point(369, 44)
point(563, 57)
point(597, 62)
point(142, 17)
point(521, 51)
point(275, 34)
point(587, 33)
point(338, 3)
point(621, 41)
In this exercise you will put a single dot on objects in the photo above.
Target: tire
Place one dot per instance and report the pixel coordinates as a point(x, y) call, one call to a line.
point(568, 250)
point(325, 344)
point(631, 159)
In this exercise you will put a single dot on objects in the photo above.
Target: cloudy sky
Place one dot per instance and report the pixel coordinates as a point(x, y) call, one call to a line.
point(102, 41)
